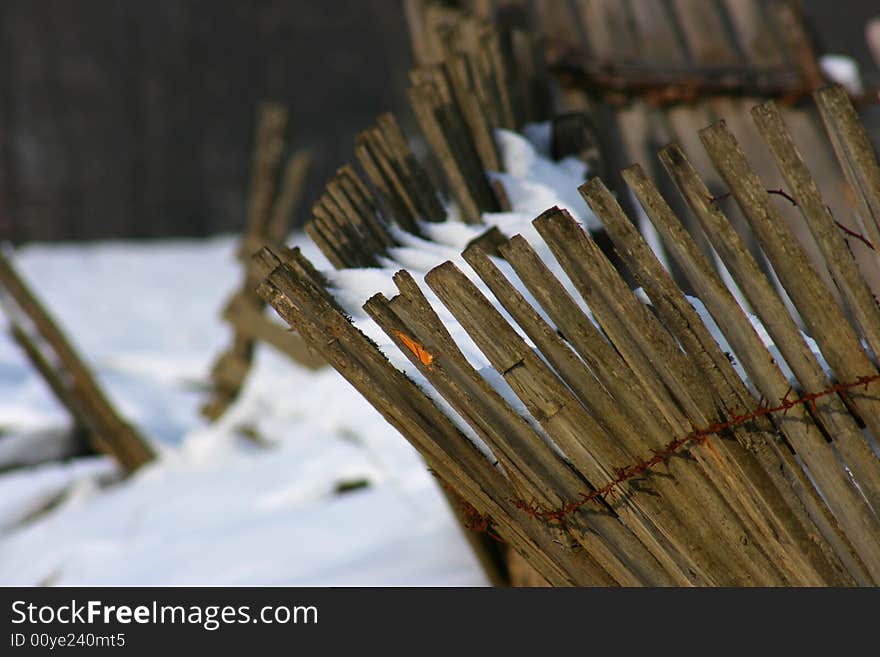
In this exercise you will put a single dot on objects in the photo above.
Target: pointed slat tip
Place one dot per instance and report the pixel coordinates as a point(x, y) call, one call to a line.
point(378, 299)
point(404, 280)
point(550, 215)
point(443, 269)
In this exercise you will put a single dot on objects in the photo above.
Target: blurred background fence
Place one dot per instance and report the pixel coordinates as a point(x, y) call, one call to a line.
point(133, 119)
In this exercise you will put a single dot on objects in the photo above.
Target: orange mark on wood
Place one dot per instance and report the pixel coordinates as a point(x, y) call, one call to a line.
point(420, 352)
point(708, 443)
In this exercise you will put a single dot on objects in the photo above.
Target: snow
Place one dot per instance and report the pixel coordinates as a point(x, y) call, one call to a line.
point(217, 508)
point(843, 70)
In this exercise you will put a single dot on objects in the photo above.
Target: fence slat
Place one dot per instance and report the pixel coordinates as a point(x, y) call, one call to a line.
point(818, 217)
point(305, 304)
point(826, 324)
point(854, 152)
point(111, 432)
point(783, 516)
point(848, 505)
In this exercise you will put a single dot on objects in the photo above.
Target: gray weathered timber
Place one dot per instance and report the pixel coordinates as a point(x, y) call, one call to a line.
point(854, 152)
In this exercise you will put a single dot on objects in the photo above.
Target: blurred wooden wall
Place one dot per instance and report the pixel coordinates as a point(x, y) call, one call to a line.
point(135, 119)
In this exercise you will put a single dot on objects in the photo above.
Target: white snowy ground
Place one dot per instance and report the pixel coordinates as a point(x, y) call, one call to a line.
point(216, 509)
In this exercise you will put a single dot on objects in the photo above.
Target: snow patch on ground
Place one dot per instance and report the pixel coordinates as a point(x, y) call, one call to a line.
point(217, 507)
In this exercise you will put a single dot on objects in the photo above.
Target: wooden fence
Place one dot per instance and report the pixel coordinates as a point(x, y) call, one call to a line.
point(649, 459)
point(673, 470)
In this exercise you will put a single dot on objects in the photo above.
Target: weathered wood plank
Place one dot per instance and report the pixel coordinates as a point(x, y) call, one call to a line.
point(268, 151)
point(754, 33)
point(785, 516)
point(415, 179)
point(289, 196)
point(51, 376)
point(824, 320)
point(423, 105)
point(854, 152)
point(607, 26)
point(704, 30)
point(376, 238)
point(848, 505)
point(245, 315)
point(360, 197)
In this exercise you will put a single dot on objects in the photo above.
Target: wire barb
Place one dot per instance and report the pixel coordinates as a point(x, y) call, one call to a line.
point(695, 437)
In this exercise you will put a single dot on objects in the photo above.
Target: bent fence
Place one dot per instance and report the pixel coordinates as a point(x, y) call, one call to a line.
point(663, 443)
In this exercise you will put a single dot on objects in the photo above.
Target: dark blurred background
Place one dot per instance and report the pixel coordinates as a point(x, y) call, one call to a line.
point(135, 119)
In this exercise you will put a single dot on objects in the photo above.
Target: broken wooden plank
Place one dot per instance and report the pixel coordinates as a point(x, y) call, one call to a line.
point(109, 431)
